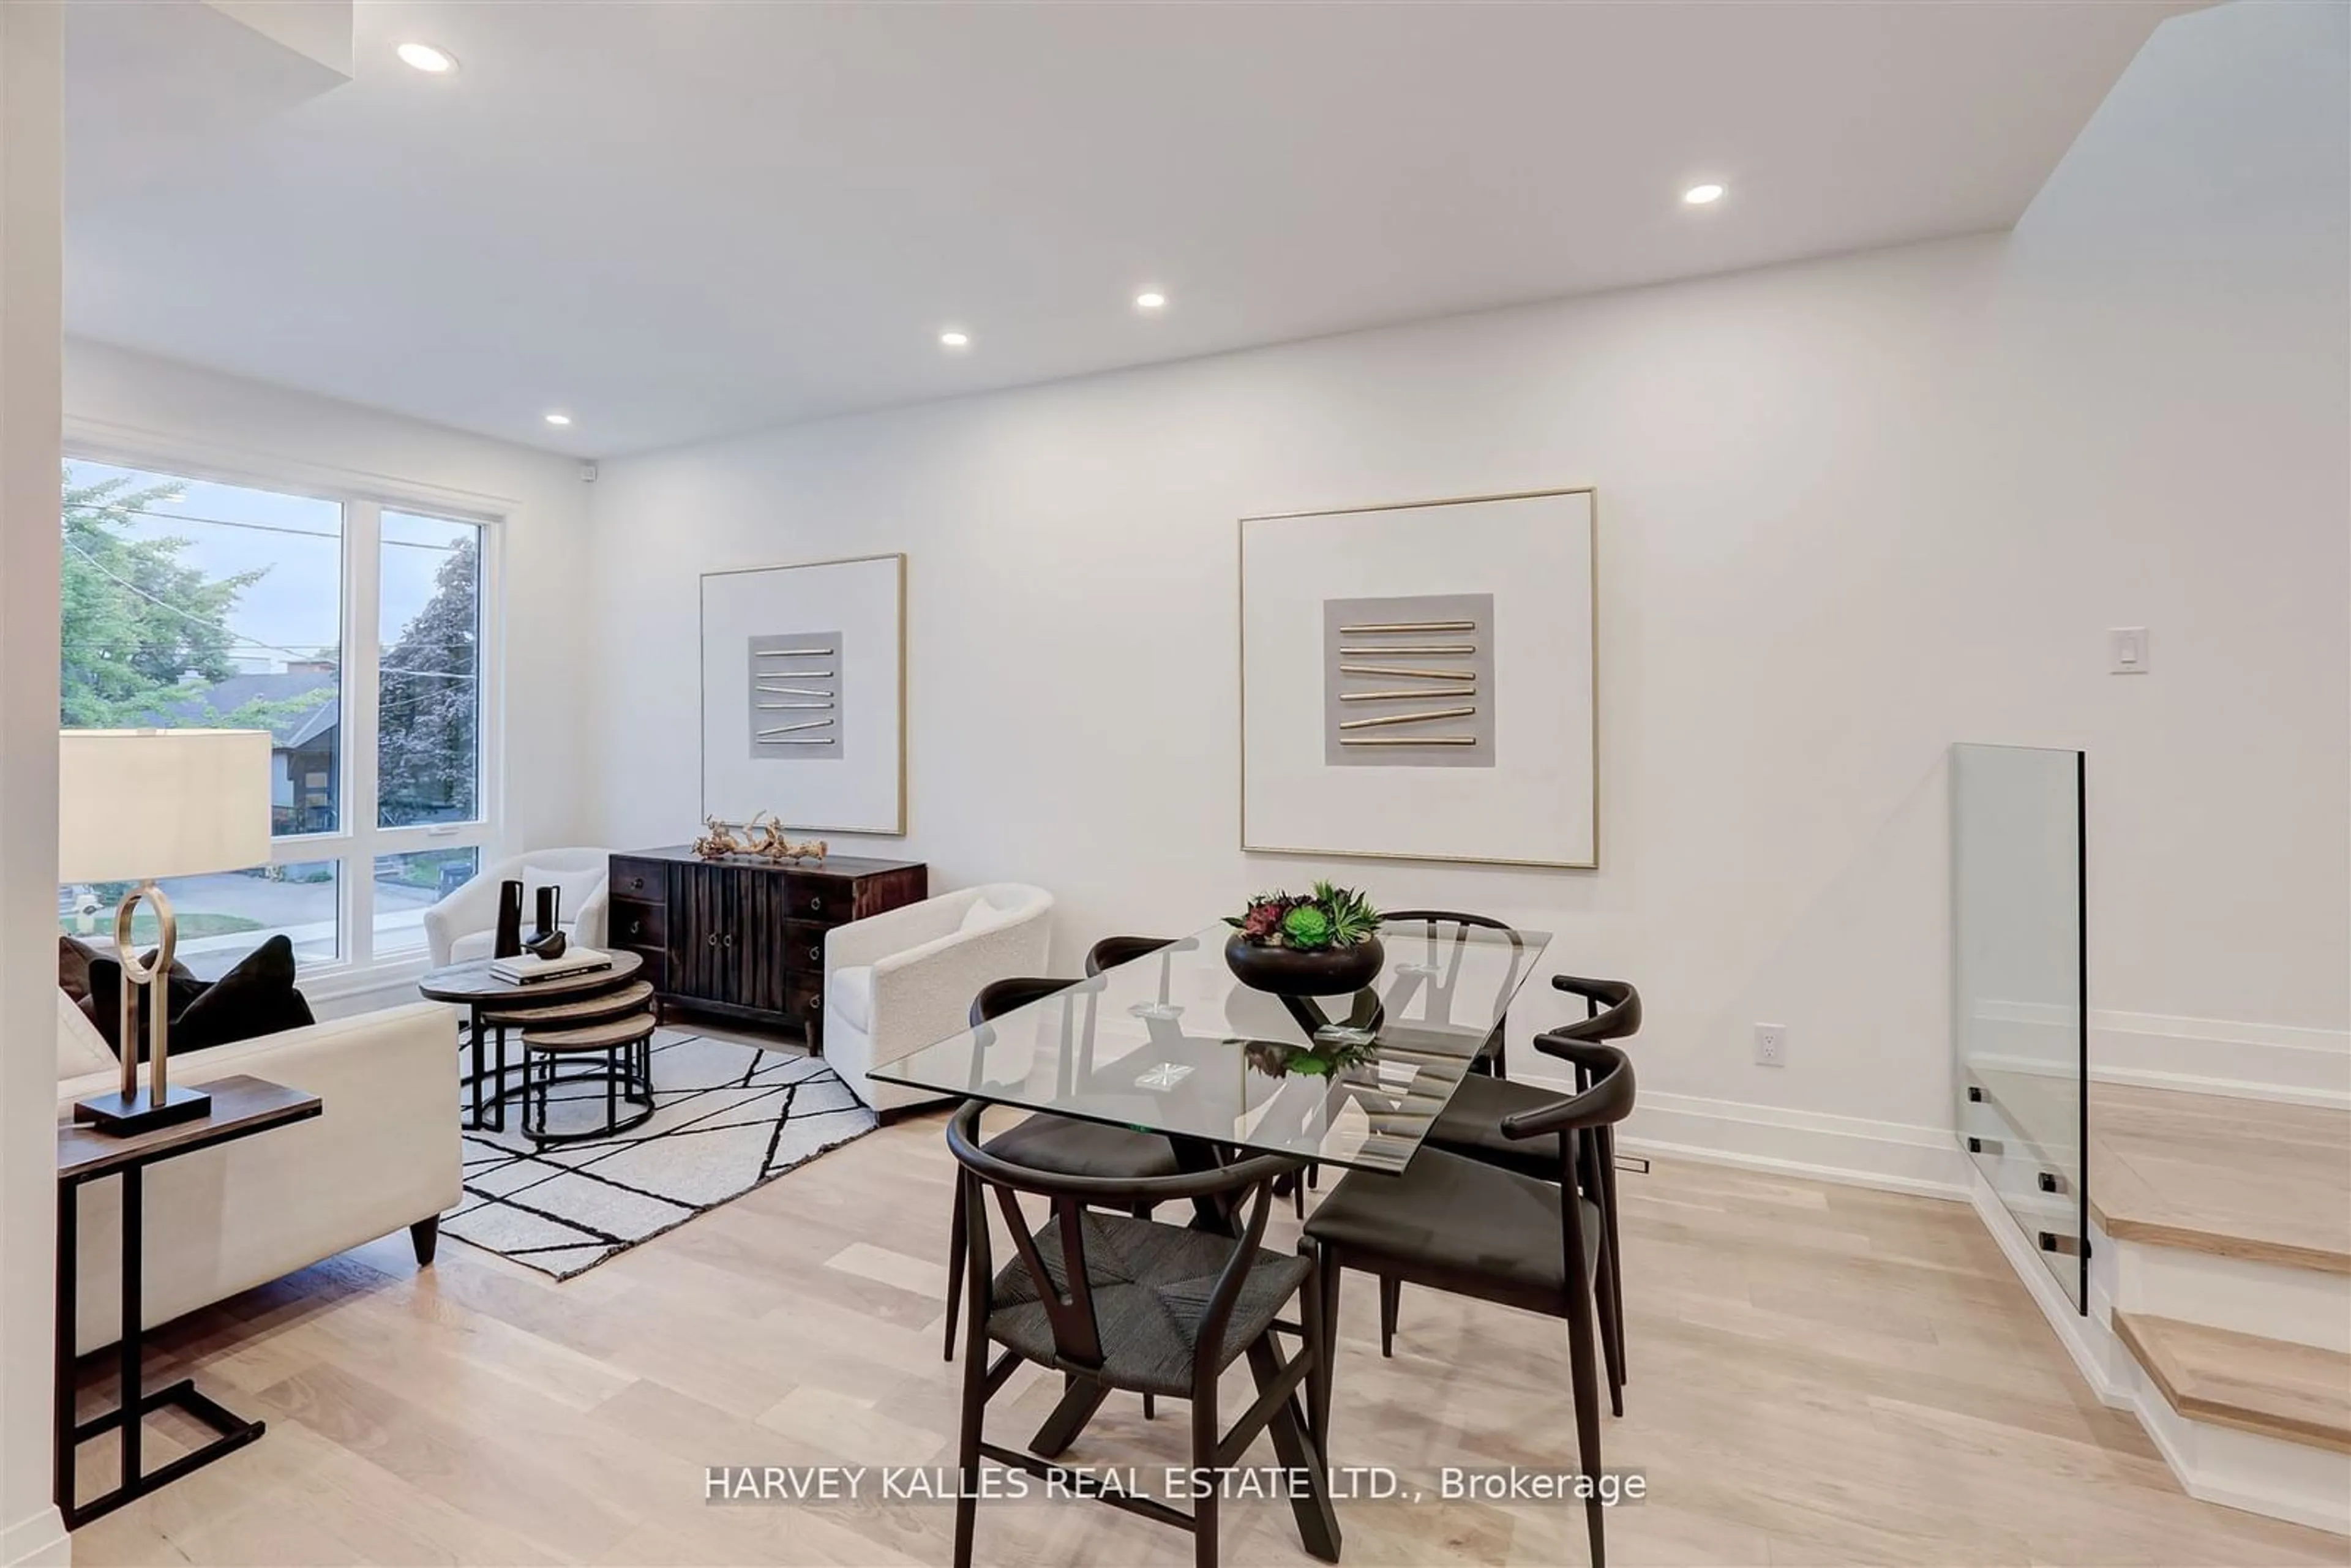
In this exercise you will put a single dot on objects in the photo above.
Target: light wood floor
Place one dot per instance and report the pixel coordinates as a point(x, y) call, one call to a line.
point(2241, 1178)
point(1820, 1375)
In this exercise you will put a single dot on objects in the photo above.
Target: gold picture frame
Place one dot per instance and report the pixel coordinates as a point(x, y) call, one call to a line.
point(1590, 494)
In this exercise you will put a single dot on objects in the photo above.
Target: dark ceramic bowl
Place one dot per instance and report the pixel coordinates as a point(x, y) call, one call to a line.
point(1287, 972)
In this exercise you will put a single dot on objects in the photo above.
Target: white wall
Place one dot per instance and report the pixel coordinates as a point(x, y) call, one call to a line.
point(168, 412)
point(30, 160)
point(1849, 512)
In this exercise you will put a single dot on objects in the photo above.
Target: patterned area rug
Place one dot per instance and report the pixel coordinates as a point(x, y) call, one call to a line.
point(728, 1117)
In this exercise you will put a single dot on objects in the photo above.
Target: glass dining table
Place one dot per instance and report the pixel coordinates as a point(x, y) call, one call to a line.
point(1170, 1042)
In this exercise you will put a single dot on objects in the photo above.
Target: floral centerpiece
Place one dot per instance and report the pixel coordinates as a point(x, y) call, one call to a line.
point(1325, 944)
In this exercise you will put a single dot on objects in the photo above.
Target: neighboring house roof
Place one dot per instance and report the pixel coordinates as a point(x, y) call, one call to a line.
point(293, 726)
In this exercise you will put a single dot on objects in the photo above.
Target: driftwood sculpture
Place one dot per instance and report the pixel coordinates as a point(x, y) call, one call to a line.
point(762, 838)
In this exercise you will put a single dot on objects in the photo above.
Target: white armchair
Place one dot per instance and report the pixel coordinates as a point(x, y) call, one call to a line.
point(899, 980)
point(463, 925)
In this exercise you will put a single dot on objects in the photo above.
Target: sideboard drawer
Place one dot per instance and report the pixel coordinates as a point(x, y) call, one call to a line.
point(826, 899)
point(804, 944)
point(634, 922)
point(638, 879)
point(804, 995)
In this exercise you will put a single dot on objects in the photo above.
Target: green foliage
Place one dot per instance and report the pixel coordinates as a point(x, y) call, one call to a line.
point(1329, 917)
point(1352, 918)
point(142, 630)
point(1306, 927)
point(429, 711)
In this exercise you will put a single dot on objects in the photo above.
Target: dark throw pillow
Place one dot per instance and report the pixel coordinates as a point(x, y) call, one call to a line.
point(75, 958)
point(255, 999)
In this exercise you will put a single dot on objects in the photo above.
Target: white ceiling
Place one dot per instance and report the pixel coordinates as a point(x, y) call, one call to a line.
point(675, 220)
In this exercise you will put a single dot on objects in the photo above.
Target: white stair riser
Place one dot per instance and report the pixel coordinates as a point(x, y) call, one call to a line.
point(2306, 1306)
point(2300, 1482)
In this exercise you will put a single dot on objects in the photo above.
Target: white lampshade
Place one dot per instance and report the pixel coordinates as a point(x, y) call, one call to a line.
point(135, 804)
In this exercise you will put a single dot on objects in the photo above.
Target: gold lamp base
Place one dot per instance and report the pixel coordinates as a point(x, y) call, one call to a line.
point(132, 1109)
point(121, 1116)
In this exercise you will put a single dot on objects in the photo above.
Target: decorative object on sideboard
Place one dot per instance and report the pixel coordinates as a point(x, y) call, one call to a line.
point(508, 940)
point(1323, 943)
point(134, 806)
point(718, 840)
point(744, 938)
point(814, 716)
point(548, 940)
point(763, 839)
point(1416, 680)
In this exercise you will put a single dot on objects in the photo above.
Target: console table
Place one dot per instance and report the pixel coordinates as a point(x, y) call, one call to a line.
point(745, 938)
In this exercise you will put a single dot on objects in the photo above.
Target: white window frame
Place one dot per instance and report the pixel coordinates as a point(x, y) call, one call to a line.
point(355, 845)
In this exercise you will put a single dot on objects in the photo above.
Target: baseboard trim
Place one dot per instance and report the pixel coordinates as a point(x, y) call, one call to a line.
point(2240, 1061)
point(39, 1540)
point(2211, 1463)
point(1850, 1151)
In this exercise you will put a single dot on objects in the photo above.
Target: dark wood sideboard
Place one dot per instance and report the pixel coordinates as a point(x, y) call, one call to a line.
point(744, 939)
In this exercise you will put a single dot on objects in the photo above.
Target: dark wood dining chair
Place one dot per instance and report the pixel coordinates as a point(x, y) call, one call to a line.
point(1471, 1125)
point(1112, 951)
point(1114, 1302)
point(1045, 1142)
point(1489, 1059)
point(1480, 1230)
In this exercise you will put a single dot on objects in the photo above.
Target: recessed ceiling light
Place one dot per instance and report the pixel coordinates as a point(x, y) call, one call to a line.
point(559, 419)
point(952, 339)
point(1701, 195)
point(1151, 299)
point(427, 59)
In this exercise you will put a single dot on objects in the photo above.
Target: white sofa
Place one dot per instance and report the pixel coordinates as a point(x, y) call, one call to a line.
point(901, 979)
point(463, 925)
point(383, 1156)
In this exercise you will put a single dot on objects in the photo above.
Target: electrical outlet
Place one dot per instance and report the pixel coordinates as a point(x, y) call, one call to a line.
point(1770, 1045)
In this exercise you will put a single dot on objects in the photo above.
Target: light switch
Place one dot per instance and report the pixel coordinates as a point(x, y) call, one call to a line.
point(2126, 651)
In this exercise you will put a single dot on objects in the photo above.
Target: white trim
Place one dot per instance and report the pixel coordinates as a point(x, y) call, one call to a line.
point(1851, 1151)
point(2080, 1335)
point(2215, 1464)
point(2218, 1056)
point(134, 446)
point(2300, 1483)
point(2240, 1060)
point(39, 1538)
point(357, 841)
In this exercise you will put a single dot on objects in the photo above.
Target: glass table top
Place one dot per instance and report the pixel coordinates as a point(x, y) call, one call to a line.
point(1171, 1042)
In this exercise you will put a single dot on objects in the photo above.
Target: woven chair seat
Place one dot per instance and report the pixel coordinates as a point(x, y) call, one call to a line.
point(1151, 1287)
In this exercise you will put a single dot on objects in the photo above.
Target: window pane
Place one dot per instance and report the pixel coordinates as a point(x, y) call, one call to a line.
point(407, 885)
point(221, 917)
point(428, 728)
point(191, 603)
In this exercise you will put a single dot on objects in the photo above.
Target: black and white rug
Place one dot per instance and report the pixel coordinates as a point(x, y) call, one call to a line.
point(728, 1117)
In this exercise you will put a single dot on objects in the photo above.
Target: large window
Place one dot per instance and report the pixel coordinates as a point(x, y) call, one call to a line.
point(353, 633)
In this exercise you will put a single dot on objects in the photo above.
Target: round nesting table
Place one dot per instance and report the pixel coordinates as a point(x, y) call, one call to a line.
point(495, 1005)
point(626, 1074)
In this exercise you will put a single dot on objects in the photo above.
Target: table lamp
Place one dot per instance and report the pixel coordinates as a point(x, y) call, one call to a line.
point(134, 805)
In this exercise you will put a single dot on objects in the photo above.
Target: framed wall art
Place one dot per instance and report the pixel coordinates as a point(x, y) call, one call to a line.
point(804, 695)
point(1417, 681)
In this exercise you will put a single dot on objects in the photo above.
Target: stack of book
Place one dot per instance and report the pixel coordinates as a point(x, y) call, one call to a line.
point(525, 969)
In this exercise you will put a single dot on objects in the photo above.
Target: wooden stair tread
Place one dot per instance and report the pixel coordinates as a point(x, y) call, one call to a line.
point(628, 998)
point(2274, 1387)
point(590, 1037)
point(2251, 1179)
